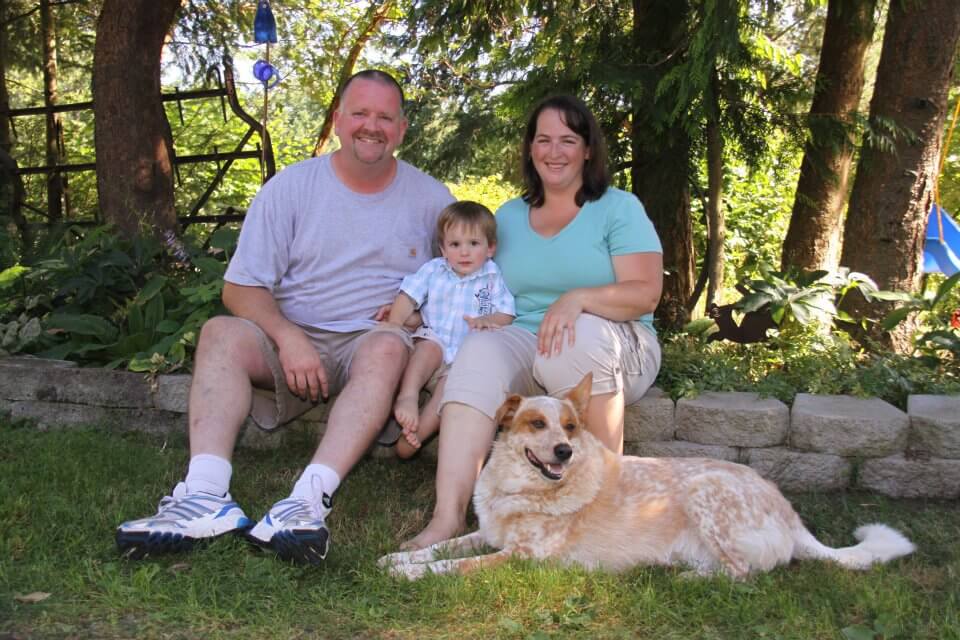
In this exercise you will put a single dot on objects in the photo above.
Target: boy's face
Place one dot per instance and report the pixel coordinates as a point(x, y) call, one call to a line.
point(465, 248)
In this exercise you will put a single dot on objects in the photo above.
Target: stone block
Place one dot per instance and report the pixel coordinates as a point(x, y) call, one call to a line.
point(650, 418)
point(681, 449)
point(797, 471)
point(33, 361)
point(53, 383)
point(902, 477)
point(173, 392)
point(934, 425)
point(61, 414)
point(736, 419)
point(847, 426)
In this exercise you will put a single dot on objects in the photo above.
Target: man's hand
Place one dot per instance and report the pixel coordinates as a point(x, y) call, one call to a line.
point(304, 371)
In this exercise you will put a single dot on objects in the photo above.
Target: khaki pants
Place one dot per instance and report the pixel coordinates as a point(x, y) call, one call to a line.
point(490, 365)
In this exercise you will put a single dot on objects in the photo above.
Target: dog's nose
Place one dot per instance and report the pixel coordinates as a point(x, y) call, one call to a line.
point(563, 452)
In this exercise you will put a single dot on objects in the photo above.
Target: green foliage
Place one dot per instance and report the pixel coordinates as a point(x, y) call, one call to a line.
point(490, 191)
point(802, 360)
point(98, 299)
point(801, 299)
point(939, 314)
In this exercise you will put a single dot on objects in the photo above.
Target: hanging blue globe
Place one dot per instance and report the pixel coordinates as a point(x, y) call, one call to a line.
point(266, 73)
point(264, 25)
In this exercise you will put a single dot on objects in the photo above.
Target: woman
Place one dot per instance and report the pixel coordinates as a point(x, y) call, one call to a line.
point(585, 266)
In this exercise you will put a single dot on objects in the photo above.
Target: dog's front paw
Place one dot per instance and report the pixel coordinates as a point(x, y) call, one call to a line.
point(393, 559)
point(408, 570)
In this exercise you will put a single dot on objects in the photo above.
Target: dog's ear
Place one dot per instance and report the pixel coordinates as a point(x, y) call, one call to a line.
point(580, 394)
point(507, 411)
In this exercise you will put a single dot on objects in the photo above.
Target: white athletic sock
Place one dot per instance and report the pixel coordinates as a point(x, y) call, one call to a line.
point(209, 474)
point(329, 481)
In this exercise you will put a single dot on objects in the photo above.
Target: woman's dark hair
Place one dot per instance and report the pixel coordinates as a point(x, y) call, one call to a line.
point(578, 118)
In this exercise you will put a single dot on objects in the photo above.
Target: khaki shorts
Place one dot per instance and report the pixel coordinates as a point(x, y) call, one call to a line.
point(274, 407)
point(490, 365)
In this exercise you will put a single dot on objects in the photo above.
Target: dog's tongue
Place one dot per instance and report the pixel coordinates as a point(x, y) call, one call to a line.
point(555, 468)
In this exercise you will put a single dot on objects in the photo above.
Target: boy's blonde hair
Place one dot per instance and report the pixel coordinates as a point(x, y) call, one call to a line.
point(470, 214)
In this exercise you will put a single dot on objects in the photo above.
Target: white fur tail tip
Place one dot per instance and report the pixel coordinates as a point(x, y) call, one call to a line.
point(878, 543)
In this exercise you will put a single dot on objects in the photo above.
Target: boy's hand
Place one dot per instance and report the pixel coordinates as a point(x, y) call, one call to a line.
point(481, 323)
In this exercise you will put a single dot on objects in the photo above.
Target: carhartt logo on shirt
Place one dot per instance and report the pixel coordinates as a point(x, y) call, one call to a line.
point(413, 252)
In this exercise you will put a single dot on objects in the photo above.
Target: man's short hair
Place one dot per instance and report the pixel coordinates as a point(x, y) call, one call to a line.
point(377, 76)
point(472, 215)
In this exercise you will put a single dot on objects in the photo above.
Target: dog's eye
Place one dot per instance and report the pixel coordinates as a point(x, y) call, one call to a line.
point(570, 426)
point(538, 424)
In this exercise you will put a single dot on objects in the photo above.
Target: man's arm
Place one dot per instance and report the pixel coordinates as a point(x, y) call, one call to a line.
point(302, 366)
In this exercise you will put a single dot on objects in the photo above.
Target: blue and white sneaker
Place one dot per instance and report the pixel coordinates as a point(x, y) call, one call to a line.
point(181, 520)
point(295, 529)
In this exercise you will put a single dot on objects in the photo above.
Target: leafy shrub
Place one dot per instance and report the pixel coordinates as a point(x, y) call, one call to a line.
point(99, 299)
point(939, 311)
point(802, 360)
point(489, 191)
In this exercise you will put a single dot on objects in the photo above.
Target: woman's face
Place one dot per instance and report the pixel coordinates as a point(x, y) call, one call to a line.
point(558, 153)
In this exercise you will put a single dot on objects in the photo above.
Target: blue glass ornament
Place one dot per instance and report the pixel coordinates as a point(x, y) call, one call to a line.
point(264, 25)
point(266, 73)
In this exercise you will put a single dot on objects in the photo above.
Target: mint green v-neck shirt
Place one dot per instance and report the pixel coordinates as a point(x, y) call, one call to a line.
point(538, 270)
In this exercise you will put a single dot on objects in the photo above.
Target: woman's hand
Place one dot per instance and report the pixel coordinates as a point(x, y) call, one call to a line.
point(559, 321)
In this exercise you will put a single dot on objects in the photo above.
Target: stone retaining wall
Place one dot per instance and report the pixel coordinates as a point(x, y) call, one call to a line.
point(821, 443)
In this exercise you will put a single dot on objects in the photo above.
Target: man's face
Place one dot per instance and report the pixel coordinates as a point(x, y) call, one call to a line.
point(370, 122)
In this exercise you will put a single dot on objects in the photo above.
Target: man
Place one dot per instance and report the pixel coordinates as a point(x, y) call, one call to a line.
point(321, 254)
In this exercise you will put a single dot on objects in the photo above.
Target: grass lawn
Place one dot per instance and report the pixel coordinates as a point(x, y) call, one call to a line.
point(62, 494)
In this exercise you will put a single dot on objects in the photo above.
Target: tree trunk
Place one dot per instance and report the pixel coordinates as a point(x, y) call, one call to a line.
point(132, 136)
point(813, 238)
point(716, 225)
point(893, 190)
point(53, 120)
point(6, 143)
point(661, 164)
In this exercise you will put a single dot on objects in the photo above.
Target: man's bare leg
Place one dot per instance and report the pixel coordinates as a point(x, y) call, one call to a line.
point(228, 359)
point(465, 437)
point(427, 357)
point(229, 363)
point(364, 404)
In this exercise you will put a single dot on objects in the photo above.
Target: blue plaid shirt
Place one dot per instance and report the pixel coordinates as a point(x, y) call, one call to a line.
point(444, 297)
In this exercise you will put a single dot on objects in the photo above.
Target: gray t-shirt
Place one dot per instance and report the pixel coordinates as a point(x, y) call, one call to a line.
point(331, 257)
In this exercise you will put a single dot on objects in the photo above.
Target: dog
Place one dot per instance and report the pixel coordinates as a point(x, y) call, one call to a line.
point(551, 490)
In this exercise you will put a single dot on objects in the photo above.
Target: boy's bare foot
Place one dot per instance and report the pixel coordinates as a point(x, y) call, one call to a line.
point(437, 531)
point(408, 445)
point(407, 411)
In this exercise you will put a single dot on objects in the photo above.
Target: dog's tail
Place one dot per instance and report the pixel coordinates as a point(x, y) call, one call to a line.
point(878, 543)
